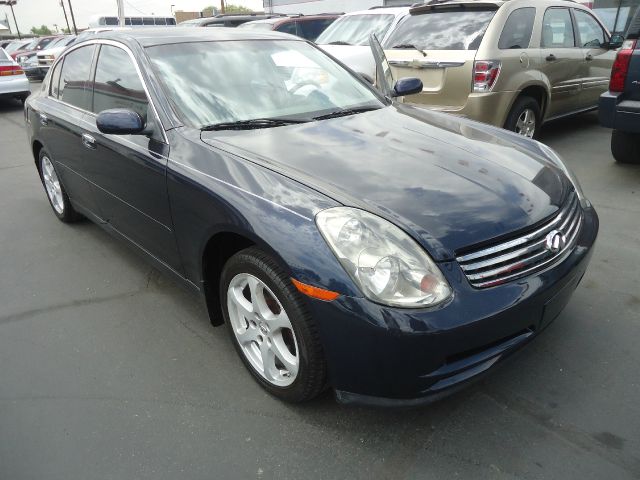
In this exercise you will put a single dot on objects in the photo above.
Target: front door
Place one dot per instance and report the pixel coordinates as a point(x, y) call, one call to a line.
point(597, 58)
point(130, 170)
point(561, 61)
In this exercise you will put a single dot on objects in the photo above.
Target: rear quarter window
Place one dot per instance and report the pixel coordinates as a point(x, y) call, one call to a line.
point(517, 29)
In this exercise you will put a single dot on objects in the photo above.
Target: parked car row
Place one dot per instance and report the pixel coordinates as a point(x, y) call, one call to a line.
point(13, 81)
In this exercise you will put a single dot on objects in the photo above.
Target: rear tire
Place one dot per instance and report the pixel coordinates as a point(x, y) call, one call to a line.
point(272, 329)
point(56, 194)
point(625, 147)
point(525, 117)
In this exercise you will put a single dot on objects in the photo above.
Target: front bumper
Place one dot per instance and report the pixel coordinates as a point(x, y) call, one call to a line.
point(17, 87)
point(386, 356)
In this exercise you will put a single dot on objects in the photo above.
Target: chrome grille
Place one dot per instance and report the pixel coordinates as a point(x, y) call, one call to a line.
point(527, 254)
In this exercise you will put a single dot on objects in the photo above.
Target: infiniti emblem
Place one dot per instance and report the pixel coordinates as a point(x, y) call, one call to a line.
point(555, 241)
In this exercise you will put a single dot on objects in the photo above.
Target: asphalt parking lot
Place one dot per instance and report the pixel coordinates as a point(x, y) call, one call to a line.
point(108, 369)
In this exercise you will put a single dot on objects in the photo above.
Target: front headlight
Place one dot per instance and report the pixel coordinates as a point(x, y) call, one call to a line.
point(551, 154)
point(388, 265)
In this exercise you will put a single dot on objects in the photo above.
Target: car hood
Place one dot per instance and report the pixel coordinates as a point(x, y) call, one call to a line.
point(357, 57)
point(450, 183)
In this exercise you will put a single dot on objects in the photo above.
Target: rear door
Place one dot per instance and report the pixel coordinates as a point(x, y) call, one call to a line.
point(438, 44)
point(64, 120)
point(596, 59)
point(561, 61)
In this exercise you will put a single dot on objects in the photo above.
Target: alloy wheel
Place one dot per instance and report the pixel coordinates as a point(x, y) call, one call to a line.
point(526, 124)
point(52, 185)
point(263, 330)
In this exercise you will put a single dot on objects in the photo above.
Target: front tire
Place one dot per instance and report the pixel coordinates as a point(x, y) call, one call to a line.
point(524, 117)
point(58, 198)
point(625, 147)
point(271, 327)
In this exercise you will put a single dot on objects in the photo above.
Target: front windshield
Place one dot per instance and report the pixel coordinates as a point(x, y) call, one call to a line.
point(14, 46)
point(56, 43)
point(217, 82)
point(448, 30)
point(31, 45)
point(355, 29)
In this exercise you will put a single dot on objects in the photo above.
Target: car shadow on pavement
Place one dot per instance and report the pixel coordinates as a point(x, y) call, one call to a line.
point(9, 105)
point(564, 127)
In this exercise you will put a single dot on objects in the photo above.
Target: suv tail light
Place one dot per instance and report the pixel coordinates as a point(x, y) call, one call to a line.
point(621, 66)
point(485, 74)
point(10, 70)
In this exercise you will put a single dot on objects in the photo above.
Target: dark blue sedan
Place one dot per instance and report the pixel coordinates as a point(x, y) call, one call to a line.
point(348, 241)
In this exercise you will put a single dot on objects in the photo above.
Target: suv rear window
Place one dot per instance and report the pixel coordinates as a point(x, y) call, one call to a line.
point(355, 29)
point(442, 30)
point(517, 29)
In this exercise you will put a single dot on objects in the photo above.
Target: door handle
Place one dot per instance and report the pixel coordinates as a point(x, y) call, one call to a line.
point(88, 141)
point(44, 120)
point(588, 57)
point(551, 58)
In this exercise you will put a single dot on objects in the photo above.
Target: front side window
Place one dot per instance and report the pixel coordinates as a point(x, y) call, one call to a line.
point(590, 31)
point(442, 30)
point(117, 84)
point(74, 78)
point(355, 29)
point(557, 29)
point(215, 82)
point(517, 29)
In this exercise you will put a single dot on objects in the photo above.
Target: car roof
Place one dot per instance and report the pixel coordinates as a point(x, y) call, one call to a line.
point(149, 37)
point(297, 17)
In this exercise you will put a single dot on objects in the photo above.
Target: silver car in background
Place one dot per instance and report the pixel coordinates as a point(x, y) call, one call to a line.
point(13, 81)
point(347, 39)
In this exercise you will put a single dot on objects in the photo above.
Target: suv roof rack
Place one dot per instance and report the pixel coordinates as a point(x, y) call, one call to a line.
point(390, 6)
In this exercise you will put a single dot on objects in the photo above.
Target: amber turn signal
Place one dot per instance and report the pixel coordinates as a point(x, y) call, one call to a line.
point(315, 292)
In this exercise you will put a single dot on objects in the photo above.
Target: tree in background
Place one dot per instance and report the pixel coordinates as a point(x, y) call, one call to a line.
point(43, 30)
point(231, 8)
point(210, 11)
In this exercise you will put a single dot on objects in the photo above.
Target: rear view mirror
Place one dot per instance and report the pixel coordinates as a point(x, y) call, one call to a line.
point(615, 41)
point(120, 121)
point(407, 86)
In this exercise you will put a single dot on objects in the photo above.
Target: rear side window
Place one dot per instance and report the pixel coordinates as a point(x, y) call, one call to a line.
point(311, 29)
point(517, 29)
point(591, 33)
point(557, 29)
point(448, 30)
point(117, 84)
point(74, 78)
point(288, 27)
point(3, 56)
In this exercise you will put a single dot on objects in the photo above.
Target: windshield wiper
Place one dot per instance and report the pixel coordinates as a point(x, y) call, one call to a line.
point(344, 112)
point(338, 42)
point(409, 46)
point(252, 124)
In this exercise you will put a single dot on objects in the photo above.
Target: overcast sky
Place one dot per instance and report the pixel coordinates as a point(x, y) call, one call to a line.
point(31, 13)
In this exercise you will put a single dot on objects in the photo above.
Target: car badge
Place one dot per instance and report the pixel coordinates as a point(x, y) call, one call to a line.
point(555, 241)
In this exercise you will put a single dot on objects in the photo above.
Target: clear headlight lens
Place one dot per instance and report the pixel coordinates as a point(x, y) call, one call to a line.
point(551, 154)
point(388, 265)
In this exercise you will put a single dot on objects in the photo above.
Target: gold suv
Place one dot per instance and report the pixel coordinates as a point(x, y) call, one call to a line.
point(514, 64)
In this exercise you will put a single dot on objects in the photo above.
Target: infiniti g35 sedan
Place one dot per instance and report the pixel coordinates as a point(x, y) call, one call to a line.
point(390, 253)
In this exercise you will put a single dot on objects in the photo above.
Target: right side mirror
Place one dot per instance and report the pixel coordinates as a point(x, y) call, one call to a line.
point(615, 41)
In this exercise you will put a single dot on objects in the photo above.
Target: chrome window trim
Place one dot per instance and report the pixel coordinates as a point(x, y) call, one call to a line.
point(129, 52)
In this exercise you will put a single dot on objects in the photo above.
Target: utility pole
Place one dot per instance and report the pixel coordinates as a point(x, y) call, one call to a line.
point(64, 10)
point(221, 6)
point(121, 21)
point(11, 3)
point(73, 19)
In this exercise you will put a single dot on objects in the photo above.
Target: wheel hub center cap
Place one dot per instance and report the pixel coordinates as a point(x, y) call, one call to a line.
point(264, 328)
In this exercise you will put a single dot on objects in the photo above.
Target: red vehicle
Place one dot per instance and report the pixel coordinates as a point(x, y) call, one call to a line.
point(36, 44)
